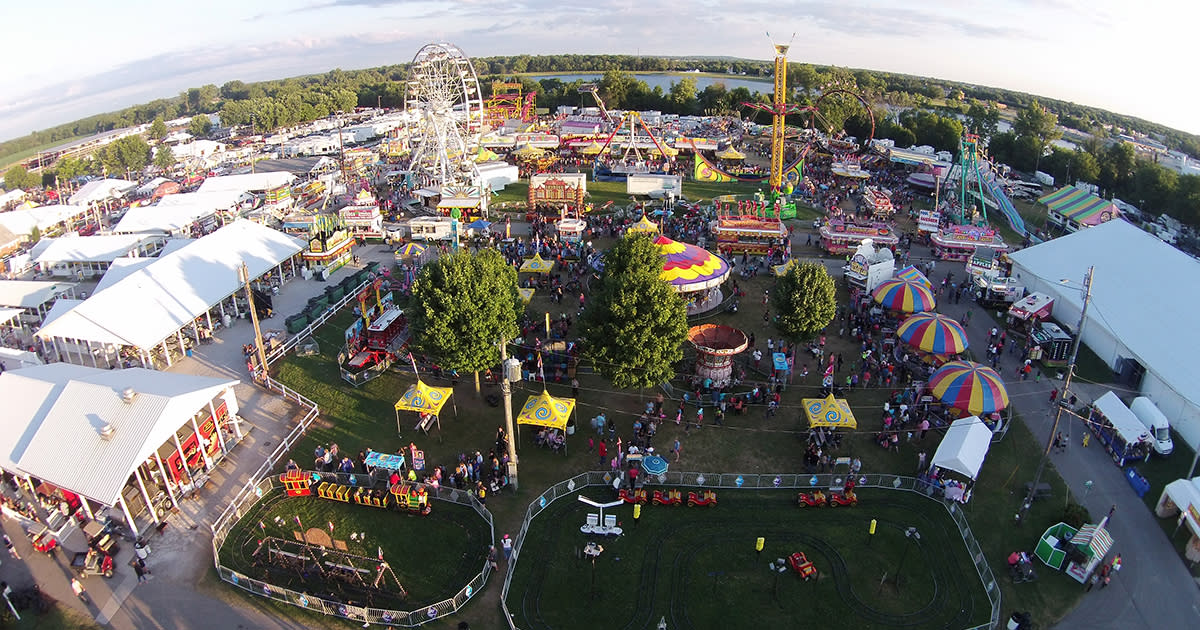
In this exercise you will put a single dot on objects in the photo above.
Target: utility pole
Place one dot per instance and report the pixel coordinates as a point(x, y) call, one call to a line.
point(506, 391)
point(244, 276)
point(1062, 398)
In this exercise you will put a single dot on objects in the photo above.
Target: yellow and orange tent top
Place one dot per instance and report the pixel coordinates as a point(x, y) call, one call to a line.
point(546, 411)
point(829, 412)
point(537, 264)
point(424, 398)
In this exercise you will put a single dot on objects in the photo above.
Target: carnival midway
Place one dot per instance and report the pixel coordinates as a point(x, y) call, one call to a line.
point(229, 356)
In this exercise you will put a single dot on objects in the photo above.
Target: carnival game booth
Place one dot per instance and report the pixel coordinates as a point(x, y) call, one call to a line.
point(1073, 209)
point(958, 242)
point(1124, 437)
point(748, 234)
point(363, 217)
point(557, 191)
point(1025, 314)
point(1181, 499)
point(544, 410)
point(133, 440)
point(571, 229)
point(329, 246)
point(1087, 549)
point(879, 202)
point(1054, 544)
point(962, 450)
point(1051, 345)
point(716, 345)
point(694, 273)
point(427, 403)
point(841, 237)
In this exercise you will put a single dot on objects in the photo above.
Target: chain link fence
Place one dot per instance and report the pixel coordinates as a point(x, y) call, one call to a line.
point(781, 481)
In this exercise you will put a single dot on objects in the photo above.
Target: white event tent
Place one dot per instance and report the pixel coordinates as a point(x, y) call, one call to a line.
point(1143, 308)
point(101, 190)
point(964, 447)
point(247, 182)
point(150, 306)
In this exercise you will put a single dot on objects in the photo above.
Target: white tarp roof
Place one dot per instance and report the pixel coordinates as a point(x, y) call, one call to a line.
point(7, 314)
point(152, 303)
point(13, 359)
point(247, 182)
point(217, 200)
point(51, 429)
point(1147, 297)
point(101, 248)
point(148, 187)
point(161, 219)
point(1131, 429)
point(30, 293)
point(964, 447)
point(99, 190)
point(1184, 493)
point(22, 221)
point(13, 195)
point(122, 268)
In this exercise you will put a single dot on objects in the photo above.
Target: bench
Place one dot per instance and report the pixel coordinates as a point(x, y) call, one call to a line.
point(1042, 491)
point(425, 424)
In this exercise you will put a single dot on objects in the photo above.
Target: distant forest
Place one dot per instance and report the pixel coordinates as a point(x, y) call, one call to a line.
point(935, 112)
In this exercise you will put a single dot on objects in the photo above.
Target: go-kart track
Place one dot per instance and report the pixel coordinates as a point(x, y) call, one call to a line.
point(698, 568)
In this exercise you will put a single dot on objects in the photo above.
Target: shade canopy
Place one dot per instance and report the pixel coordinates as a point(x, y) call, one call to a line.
point(782, 270)
point(537, 264)
point(829, 412)
point(655, 465)
point(526, 294)
point(964, 447)
point(479, 224)
point(1093, 541)
point(528, 151)
point(423, 398)
point(970, 387)
point(411, 250)
point(933, 332)
point(545, 410)
point(688, 267)
point(731, 154)
point(912, 273)
point(644, 226)
point(905, 296)
point(592, 149)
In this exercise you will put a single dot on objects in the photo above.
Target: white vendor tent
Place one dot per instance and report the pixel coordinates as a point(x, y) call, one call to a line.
point(23, 221)
point(101, 190)
point(964, 447)
point(1122, 418)
point(247, 182)
point(100, 248)
point(153, 303)
point(1185, 494)
point(12, 196)
point(1142, 314)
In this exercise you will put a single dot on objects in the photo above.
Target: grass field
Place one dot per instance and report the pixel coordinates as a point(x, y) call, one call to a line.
point(360, 418)
point(697, 567)
point(432, 556)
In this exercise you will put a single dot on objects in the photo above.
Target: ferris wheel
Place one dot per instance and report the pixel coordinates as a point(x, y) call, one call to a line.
point(445, 120)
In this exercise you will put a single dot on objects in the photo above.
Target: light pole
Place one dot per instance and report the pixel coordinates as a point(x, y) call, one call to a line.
point(506, 391)
point(1037, 477)
point(244, 277)
point(914, 537)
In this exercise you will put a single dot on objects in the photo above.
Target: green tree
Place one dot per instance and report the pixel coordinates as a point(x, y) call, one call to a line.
point(130, 153)
point(1116, 166)
point(1038, 123)
point(164, 159)
point(17, 177)
point(683, 95)
point(200, 126)
point(1085, 167)
point(983, 120)
point(463, 305)
point(806, 300)
point(617, 87)
point(71, 167)
point(158, 129)
point(35, 235)
point(635, 324)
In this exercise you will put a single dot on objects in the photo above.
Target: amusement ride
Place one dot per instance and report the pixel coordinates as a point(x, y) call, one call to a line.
point(446, 116)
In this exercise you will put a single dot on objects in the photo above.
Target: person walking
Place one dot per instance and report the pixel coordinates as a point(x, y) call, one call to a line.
point(602, 450)
point(921, 462)
point(12, 551)
point(676, 448)
point(139, 567)
point(80, 592)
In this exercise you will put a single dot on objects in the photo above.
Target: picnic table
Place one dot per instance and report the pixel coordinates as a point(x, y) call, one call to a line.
point(384, 460)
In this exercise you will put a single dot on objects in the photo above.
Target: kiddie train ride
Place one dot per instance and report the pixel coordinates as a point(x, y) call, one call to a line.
point(402, 496)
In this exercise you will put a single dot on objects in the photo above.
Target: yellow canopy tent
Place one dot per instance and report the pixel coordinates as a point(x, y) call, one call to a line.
point(545, 410)
point(667, 151)
point(526, 294)
point(731, 154)
point(829, 412)
point(537, 264)
point(592, 149)
point(781, 270)
point(528, 151)
point(424, 399)
point(645, 226)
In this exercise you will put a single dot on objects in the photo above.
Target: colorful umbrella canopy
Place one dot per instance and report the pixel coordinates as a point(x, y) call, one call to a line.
point(537, 264)
point(645, 226)
point(546, 411)
point(906, 296)
point(970, 387)
point(411, 250)
point(655, 465)
point(690, 268)
point(423, 398)
point(829, 412)
point(933, 332)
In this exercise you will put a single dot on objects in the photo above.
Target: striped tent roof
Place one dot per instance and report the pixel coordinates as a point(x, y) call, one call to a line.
point(1095, 539)
point(1080, 206)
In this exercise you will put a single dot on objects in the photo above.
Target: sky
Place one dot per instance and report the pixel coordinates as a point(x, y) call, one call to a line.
point(68, 59)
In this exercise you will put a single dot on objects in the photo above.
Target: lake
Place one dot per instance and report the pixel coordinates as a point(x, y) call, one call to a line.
point(766, 86)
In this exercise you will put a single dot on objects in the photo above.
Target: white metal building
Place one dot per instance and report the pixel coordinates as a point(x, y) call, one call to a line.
point(116, 437)
point(1142, 318)
point(86, 256)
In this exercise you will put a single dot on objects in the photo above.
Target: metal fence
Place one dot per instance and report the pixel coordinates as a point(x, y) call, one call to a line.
point(782, 481)
point(265, 488)
point(263, 482)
